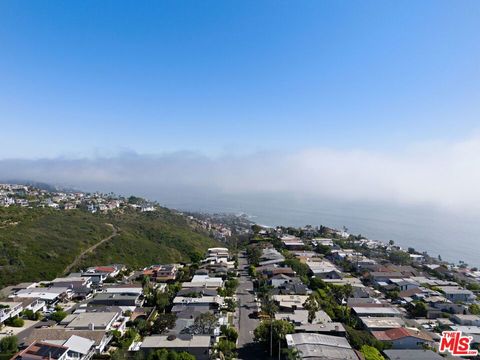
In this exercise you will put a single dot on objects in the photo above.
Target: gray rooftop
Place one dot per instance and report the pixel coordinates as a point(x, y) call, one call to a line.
point(163, 341)
point(98, 319)
point(412, 354)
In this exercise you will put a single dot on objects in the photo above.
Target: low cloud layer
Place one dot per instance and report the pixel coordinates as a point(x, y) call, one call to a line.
point(443, 175)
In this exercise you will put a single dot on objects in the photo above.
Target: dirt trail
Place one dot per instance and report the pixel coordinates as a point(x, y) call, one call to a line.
point(90, 249)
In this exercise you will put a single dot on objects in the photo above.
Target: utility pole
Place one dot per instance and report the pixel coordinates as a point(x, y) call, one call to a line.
point(279, 347)
point(271, 338)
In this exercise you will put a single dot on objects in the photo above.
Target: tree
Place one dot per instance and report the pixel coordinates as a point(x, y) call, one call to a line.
point(162, 301)
point(312, 305)
point(418, 310)
point(474, 309)
point(164, 354)
point(273, 330)
point(371, 353)
point(359, 338)
point(292, 354)
point(31, 315)
point(269, 307)
point(230, 304)
point(206, 322)
point(323, 249)
point(399, 257)
point(229, 287)
point(141, 325)
point(9, 345)
point(163, 322)
point(58, 315)
point(300, 268)
point(226, 349)
point(229, 332)
point(254, 254)
point(128, 338)
point(196, 257)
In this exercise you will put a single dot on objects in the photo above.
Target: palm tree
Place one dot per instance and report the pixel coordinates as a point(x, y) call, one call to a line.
point(312, 305)
point(270, 308)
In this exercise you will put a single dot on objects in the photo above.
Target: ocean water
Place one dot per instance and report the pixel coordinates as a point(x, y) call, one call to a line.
point(453, 236)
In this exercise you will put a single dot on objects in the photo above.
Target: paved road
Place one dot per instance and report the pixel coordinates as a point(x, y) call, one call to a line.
point(247, 349)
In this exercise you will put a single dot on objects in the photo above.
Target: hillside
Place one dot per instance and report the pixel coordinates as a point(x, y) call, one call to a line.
point(41, 243)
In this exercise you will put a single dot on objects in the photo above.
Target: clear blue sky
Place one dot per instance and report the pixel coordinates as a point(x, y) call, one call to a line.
point(97, 77)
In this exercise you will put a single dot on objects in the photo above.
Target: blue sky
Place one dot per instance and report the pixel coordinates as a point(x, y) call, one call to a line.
point(91, 78)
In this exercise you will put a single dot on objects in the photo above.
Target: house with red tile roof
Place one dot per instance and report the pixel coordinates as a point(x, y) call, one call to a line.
point(404, 338)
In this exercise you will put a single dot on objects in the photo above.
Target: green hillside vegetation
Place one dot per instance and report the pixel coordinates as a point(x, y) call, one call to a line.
point(40, 243)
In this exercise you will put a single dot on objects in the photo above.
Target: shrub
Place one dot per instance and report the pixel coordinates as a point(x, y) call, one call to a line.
point(58, 315)
point(371, 353)
point(15, 322)
point(9, 344)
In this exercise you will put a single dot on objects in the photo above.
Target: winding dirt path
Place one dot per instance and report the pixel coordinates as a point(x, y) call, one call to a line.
point(90, 249)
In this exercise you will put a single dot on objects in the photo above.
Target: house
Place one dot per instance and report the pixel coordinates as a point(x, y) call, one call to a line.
point(50, 295)
point(290, 302)
point(318, 346)
point(9, 310)
point(466, 320)
point(271, 256)
point(197, 291)
point(407, 354)
point(111, 270)
point(80, 285)
point(162, 273)
point(305, 255)
point(218, 252)
point(79, 348)
point(42, 351)
point(292, 288)
point(197, 345)
point(100, 338)
point(457, 294)
point(404, 338)
point(279, 280)
point(204, 281)
point(323, 269)
point(32, 304)
point(277, 270)
point(300, 317)
point(93, 320)
point(328, 328)
point(213, 302)
point(376, 311)
point(323, 241)
point(417, 258)
point(385, 276)
point(404, 284)
point(124, 289)
point(116, 299)
point(382, 323)
point(292, 242)
point(361, 262)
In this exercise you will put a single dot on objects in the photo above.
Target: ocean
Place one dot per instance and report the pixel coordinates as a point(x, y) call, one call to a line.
point(452, 236)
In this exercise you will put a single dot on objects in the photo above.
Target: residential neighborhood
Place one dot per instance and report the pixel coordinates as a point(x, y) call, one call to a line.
point(283, 292)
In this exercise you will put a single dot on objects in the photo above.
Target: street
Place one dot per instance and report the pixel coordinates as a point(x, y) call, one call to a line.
point(247, 349)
